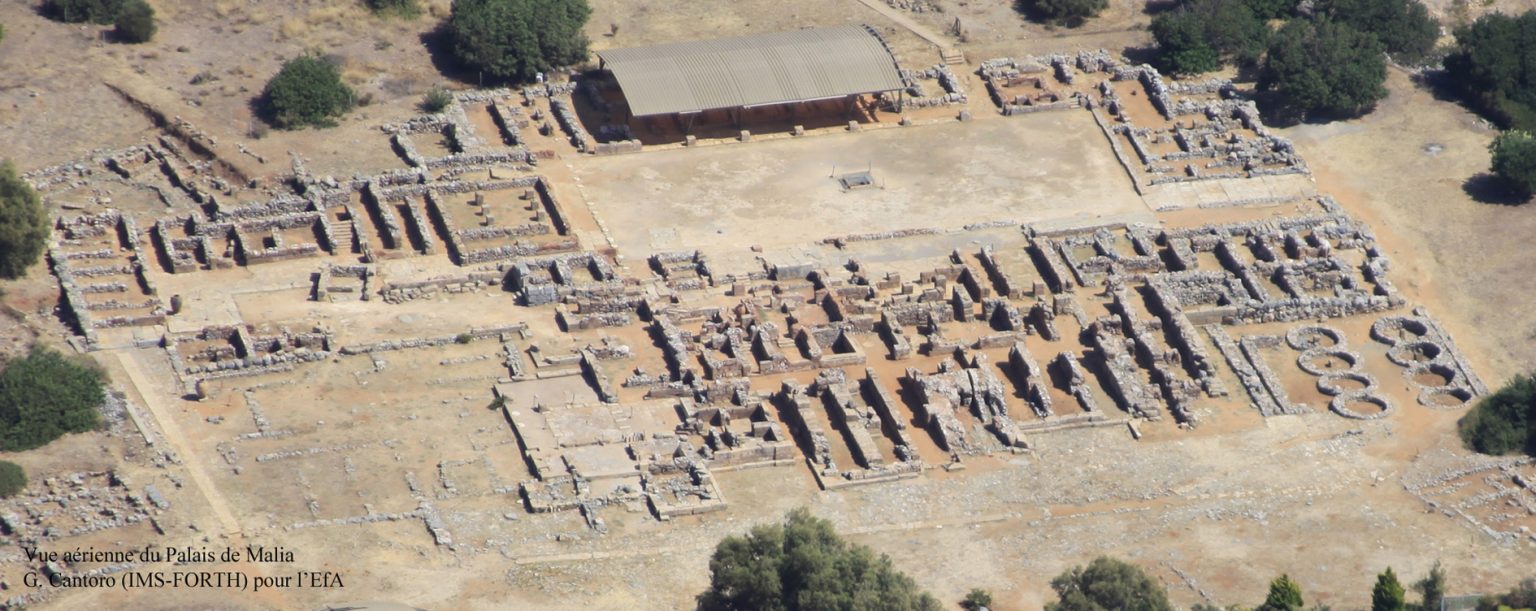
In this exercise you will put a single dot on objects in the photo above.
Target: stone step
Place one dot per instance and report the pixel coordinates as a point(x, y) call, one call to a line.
point(952, 56)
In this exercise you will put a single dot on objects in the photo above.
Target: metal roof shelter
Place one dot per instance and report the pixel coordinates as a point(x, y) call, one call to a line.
point(782, 67)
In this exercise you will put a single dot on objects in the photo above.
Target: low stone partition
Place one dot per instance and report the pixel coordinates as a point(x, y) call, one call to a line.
point(400, 292)
point(473, 334)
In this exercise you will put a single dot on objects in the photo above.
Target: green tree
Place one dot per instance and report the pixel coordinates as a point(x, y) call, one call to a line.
point(12, 479)
point(399, 8)
point(1404, 27)
point(1431, 588)
point(1272, 9)
point(307, 92)
point(1500, 423)
point(803, 564)
point(1181, 44)
point(136, 22)
point(976, 599)
point(1388, 593)
point(1284, 595)
point(1324, 67)
point(44, 396)
point(1495, 70)
point(23, 223)
point(100, 12)
point(1070, 13)
point(1198, 35)
point(517, 39)
point(1514, 159)
point(1107, 584)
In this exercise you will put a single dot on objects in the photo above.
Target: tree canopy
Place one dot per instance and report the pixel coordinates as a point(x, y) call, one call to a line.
point(1431, 588)
point(1494, 67)
point(804, 564)
point(1070, 13)
point(515, 40)
point(1404, 27)
point(1272, 9)
point(1514, 160)
point(1388, 593)
point(12, 479)
point(1502, 422)
point(1284, 595)
point(100, 12)
point(23, 223)
point(1107, 584)
point(43, 396)
point(1324, 67)
point(135, 22)
point(307, 92)
point(1200, 34)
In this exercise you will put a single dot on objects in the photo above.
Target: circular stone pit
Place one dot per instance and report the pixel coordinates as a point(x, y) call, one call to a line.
point(1343, 383)
point(1419, 351)
point(1324, 361)
point(1393, 329)
point(1454, 397)
point(1363, 405)
point(1308, 337)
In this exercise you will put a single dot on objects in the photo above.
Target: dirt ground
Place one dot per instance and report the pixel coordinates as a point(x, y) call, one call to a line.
point(288, 458)
point(717, 195)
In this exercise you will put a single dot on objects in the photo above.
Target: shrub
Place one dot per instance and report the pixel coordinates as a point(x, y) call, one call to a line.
point(1071, 13)
point(517, 39)
point(1107, 583)
point(463, 338)
point(1522, 596)
point(100, 12)
point(804, 564)
point(307, 92)
point(977, 599)
point(136, 22)
point(1501, 422)
point(1404, 27)
point(2, 31)
point(397, 8)
point(1514, 160)
point(44, 396)
point(1324, 67)
point(23, 223)
point(12, 479)
point(436, 99)
point(1198, 35)
point(1490, 68)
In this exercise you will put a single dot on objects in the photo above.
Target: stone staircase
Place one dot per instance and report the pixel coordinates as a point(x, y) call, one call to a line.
point(346, 241)
point(951, 56)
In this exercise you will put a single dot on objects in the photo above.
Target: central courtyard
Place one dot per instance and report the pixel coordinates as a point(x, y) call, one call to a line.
point(723, 198)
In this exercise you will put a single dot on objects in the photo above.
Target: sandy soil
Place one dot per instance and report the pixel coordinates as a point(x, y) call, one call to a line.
point(719, 196)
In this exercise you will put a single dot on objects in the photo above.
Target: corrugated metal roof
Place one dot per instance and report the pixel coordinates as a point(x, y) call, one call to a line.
point(809, 64)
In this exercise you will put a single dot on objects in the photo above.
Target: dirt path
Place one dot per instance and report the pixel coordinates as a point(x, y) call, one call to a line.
point(906, 22)
point(171, 432)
